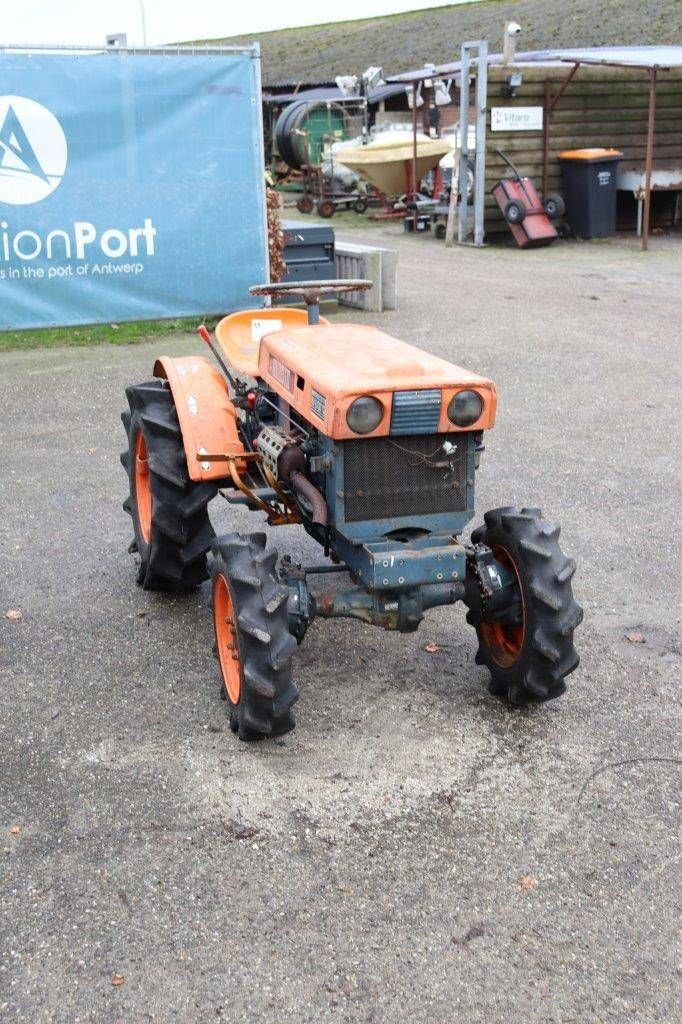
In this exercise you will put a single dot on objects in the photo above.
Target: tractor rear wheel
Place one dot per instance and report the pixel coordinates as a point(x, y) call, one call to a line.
point(169, 511)
point(253, 644)
point(529, 651)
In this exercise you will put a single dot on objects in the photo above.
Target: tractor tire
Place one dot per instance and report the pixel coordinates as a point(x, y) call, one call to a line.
point(530, 656)
point(304, 204)
point(326, 208)
point(169, 511)
point(360, 205)
point(253, 644)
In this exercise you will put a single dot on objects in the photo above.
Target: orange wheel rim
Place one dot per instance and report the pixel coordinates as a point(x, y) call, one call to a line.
point(143, 487)
point(226, 639)
point(504, 640)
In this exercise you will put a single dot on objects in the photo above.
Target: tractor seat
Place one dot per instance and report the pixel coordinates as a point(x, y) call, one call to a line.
point(239, 334)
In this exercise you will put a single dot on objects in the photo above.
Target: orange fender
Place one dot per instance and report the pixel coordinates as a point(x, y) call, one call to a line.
point(207, 417)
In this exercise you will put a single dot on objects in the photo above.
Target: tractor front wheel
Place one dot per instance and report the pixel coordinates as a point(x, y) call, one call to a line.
point(252, 640)
point(326, 208)
point(169, 511)
point(529, 648)
point(304, 204)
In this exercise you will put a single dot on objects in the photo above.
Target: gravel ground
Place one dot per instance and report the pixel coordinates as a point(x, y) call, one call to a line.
point(413, 852)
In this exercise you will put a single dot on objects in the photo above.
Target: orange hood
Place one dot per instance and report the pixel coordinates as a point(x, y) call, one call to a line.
point(342, 361)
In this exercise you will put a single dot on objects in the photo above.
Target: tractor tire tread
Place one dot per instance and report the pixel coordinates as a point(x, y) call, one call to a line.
point(279, 597)
point(286, 700)
point(572, 620)
point(281, 650)
point(247, 625)
point(261, 684)
point(171, 474)
point(267, 558)
point(199, 545)
point(159, 425)
point(197, 499)
point(566, 572)
point(544, 646)
point(247, 579)
point(494, 517)
point(532, 547)
point(544, 595)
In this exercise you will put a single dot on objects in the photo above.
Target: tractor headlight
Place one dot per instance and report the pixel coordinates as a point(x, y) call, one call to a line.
point(465, 408)
point(364, 414)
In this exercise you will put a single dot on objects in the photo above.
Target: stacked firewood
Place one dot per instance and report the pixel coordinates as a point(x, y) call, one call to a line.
point(275, 235)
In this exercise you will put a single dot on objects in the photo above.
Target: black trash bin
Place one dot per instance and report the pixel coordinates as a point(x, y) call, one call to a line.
point(589, 178)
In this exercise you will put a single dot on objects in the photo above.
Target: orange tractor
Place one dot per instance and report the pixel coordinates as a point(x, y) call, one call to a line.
point(372, 446)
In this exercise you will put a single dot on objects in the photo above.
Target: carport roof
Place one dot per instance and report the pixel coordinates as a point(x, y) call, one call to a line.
point(332, 92)
point(663, 57)
point(619, 56)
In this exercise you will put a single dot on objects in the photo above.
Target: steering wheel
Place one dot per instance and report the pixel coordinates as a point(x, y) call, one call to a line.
point(311, 291)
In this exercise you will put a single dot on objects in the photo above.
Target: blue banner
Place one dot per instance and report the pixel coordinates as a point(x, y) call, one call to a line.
point(131, 186)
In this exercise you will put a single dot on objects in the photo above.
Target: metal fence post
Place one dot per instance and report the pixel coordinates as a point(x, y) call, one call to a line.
point(481, 112)
point(481, 47)
point(463, 200)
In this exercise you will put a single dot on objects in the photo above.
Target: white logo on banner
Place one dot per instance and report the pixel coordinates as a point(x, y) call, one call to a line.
point(33, 151)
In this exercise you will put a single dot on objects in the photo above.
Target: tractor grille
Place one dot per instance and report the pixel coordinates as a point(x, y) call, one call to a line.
point(415, 412)
point(386, 477)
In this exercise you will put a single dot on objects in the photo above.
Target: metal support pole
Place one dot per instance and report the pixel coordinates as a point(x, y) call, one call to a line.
point(550, 104)
point(452, 211)
point(545, 137)
point(481, 47)
point(463, 200)
point(479, 171)
point(365, 112)
point(649, 158)
point(414, 153)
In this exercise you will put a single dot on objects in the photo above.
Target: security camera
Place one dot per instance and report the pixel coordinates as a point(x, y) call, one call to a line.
point(511, 30)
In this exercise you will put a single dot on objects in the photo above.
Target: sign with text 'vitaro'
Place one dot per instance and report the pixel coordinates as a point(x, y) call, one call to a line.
point(131, 186)
point(516, 119)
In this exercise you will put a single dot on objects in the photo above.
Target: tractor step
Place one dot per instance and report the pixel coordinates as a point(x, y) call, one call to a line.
point(234, 497)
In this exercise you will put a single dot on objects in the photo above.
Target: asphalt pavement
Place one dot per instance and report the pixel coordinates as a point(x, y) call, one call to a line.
point(414, 853)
